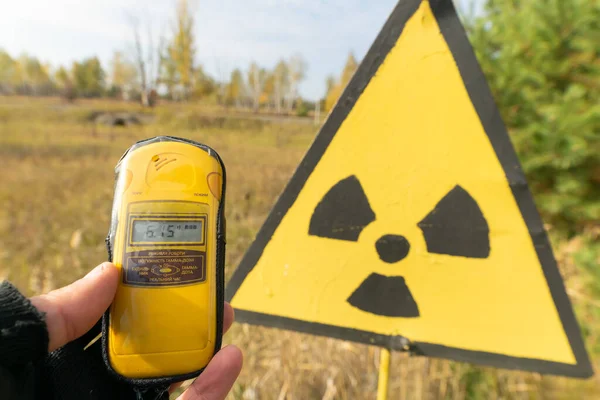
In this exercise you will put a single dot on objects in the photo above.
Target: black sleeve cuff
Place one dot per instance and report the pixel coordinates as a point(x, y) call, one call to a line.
point(23, 331)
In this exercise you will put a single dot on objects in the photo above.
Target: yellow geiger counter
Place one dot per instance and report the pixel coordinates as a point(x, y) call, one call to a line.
point(167, 237)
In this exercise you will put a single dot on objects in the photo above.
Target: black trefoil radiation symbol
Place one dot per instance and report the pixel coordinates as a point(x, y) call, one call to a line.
point(455, 226)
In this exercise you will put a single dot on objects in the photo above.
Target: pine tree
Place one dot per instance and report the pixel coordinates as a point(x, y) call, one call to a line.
point(88, 77)
point(541, 61)
point(235, 88)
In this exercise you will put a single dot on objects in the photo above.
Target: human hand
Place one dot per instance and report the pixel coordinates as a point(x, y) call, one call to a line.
point(73, 310)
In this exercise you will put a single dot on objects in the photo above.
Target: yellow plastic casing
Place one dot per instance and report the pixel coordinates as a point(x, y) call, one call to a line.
point(164, 318)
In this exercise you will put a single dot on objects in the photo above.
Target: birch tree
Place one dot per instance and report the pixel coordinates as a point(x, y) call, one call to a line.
point(256, 80)
point(297, 67)
point(280, 83)
point(145, 58)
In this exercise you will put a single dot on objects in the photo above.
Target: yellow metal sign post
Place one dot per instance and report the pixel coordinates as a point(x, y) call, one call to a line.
point(384, 374)
point(409, 223)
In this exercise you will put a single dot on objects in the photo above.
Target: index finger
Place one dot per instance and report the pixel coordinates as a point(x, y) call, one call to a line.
point(218, 378)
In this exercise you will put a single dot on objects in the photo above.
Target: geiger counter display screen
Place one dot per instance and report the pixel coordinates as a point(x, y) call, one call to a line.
point(168, 231)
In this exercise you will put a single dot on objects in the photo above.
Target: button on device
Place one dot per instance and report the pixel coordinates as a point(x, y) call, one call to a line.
point(127, 180)
point(214, 181)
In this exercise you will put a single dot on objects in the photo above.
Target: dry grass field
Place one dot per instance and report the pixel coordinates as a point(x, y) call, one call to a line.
point(55, 194)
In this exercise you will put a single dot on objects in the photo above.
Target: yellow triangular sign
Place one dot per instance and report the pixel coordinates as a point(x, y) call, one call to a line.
point(409, 223)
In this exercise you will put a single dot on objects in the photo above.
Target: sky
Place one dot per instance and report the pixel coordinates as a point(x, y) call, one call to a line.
point(229, 33)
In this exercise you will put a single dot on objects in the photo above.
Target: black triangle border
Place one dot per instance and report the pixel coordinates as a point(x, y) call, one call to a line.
point(484, 103)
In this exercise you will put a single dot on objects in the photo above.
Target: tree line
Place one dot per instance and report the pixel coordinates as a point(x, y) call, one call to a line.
point(167, 68)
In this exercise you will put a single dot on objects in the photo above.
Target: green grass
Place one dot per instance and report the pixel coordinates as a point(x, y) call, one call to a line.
point(56, 192)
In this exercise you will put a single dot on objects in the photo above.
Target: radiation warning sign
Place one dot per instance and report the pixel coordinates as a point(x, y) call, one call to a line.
point(409, 223)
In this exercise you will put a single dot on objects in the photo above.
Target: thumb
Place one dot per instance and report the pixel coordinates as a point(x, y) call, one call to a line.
point(73, 310)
